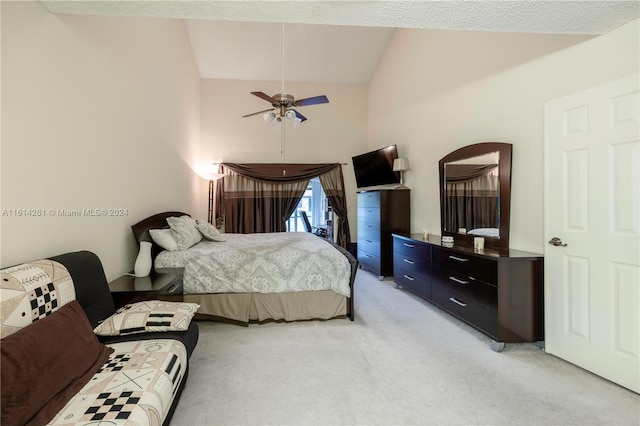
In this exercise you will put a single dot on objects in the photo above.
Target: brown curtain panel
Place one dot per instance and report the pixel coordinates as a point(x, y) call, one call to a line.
point(215, 202)
point(261, 197)
point(333, 186)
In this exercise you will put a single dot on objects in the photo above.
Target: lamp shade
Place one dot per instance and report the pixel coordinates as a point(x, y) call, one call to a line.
point(400, 164)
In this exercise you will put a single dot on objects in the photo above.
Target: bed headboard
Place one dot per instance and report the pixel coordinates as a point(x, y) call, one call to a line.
point(157, 221)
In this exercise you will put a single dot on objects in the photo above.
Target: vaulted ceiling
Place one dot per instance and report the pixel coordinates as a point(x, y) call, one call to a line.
point(243, 39)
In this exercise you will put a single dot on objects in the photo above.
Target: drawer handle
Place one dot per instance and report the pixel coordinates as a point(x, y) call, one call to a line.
point(458, 280)
point(409, 278)
point(410, 262)
point(459, 259)
point(368, 226)
point(409, 245)
point(457, 302)
point(368, 241)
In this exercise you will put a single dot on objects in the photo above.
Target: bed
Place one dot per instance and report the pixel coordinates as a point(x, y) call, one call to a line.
point(256, 291)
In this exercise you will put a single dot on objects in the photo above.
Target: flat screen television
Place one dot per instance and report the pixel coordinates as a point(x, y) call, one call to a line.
point(376, 167)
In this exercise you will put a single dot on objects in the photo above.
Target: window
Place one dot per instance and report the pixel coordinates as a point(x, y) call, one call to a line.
point(314, 203)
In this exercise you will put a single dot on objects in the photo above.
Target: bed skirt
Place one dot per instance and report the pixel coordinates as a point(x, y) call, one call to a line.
point(259, 307)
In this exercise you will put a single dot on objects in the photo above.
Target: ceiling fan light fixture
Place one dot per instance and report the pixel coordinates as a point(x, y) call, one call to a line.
point(269, 117)
point(293, 118)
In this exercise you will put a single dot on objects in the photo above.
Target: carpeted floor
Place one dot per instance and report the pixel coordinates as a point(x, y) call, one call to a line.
point(401, 362)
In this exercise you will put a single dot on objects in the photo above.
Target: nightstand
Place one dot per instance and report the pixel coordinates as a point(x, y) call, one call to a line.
point(157, 286)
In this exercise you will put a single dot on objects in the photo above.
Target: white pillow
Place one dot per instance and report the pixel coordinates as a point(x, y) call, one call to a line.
point(184, 231)
point(209, 231)
point(164, 238)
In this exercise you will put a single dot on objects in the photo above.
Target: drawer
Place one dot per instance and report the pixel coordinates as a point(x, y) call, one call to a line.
point(458, 283)
point(369, 261)
point(370, 231)
point(482, 269)
point(369, 199)
point(412, 282)
point(465, 309)
point(415, 266)
point(369, 214)
point(412, 249)
point(481, 293)
point(370, 246)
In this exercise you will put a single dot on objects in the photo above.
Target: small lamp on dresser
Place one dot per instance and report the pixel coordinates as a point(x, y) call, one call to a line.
point(400, 165)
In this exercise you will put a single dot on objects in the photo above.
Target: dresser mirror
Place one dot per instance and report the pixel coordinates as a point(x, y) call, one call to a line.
point(475, 194)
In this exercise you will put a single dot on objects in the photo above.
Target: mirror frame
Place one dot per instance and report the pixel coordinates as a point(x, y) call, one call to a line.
point(504, 176)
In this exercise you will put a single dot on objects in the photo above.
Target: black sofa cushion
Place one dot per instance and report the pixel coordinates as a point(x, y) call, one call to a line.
point(92, 289)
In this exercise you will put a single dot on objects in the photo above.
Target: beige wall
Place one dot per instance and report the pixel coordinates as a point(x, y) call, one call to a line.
point(333, 133)
point(436, 91)
point(102, 112)
point(97, 112)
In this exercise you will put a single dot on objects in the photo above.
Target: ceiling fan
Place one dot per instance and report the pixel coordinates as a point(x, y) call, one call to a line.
point(284, 103)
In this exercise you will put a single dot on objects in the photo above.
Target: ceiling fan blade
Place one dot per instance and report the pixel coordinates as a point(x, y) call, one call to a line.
point(265, 97)
point(311, 101)
point(300, 116)
point(259, 112)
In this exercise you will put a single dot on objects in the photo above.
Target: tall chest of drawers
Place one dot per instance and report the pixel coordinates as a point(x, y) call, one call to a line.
point(381, 213)
point(499, 293)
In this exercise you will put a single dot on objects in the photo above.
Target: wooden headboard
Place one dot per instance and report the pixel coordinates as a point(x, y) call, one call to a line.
point(157, 221)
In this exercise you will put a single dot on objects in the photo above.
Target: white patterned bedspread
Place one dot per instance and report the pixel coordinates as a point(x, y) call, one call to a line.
point(279, 262)
point(136, 386)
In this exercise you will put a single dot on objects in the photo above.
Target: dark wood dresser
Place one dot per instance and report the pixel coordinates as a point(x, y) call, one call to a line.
point(498, 292)
point(381, 213)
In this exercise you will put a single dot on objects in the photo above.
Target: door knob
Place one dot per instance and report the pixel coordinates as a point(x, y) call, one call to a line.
point(555, 241)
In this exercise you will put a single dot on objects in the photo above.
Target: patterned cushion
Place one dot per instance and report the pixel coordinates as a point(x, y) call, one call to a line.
point(184, 231)
point(135, 386)
point(148, 316)
point(209, 231)
point(32, 291)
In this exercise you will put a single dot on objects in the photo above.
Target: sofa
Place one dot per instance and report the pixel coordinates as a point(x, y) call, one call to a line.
point(68, 357)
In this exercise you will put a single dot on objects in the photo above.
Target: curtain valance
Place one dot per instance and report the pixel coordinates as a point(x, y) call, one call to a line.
point(280, 172)
point(463, 172)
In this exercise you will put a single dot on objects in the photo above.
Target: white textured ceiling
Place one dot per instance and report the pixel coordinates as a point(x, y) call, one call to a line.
point(242, 39)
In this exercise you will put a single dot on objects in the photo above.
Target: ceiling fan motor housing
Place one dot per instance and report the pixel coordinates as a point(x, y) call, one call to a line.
point(283, 99)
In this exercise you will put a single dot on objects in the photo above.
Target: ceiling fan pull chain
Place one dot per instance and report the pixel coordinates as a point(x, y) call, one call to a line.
point(282, 143)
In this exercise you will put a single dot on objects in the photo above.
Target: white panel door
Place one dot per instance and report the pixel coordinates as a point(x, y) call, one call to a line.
point(592, 210)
